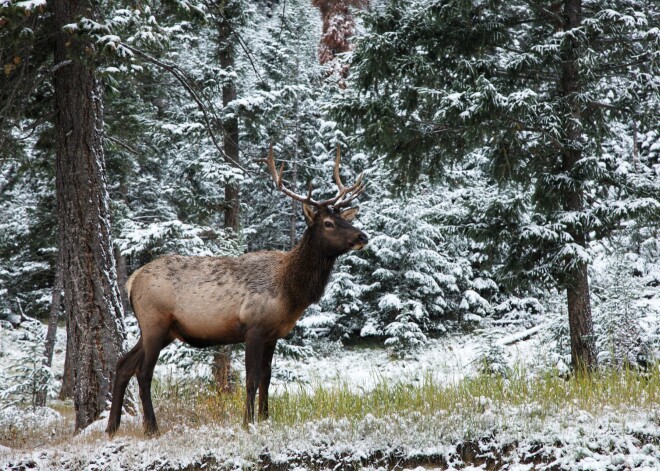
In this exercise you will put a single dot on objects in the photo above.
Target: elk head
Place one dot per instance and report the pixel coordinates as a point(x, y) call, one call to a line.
point(327, 222)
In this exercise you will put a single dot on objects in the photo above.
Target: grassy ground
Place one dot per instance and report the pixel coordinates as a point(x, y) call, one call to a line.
point(197, 404)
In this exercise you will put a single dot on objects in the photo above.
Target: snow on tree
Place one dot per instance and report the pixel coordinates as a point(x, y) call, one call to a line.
point(91, 295)
point(620, 338)
point(412, 279)
point(27, 376)
point(536, 91)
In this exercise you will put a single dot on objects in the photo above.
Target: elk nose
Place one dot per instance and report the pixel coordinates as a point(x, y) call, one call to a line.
point(362, 238)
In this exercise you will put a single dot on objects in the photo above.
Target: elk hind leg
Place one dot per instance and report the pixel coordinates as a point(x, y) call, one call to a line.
point(254, 348)
point(264, 380)
point(127, 366)
point(152, 348)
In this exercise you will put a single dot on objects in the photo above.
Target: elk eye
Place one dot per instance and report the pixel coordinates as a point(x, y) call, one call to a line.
point(328, 224)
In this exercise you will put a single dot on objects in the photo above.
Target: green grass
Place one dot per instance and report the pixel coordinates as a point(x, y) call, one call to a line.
point(617, 389)
point(185, 403)
point(548, 393)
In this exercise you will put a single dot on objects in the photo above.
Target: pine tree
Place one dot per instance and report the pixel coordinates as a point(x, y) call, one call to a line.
point(535, 89)
point(283, 108)
point(28, 377)
point(617, 319)
point(413, 279)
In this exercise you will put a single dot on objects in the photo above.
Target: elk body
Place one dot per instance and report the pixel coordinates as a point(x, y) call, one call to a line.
point(255, 298)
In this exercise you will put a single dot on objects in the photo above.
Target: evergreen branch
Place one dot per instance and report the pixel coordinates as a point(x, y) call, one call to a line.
point(624, 66)
point(243, 44)
point(33, 127)
point(553, 15)
point(123, 144)
point(183, 79)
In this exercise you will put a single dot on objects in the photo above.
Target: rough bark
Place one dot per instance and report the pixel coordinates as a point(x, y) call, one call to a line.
point(122, 277)
point(221, 368)
point(226, 56)
point(583, 355)
point(66, 391)
point(55, 310)
point(91, 296)
point(338, 28)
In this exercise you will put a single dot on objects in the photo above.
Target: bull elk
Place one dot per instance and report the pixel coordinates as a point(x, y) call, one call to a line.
point(255, 298)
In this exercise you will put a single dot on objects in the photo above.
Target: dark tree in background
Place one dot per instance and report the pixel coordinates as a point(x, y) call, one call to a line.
point(338, 26)
point(227, 17)
point(573, 201)
point(91, 296)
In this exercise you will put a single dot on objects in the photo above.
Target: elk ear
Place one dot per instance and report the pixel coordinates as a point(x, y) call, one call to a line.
point(349, 214)
point(309, 212)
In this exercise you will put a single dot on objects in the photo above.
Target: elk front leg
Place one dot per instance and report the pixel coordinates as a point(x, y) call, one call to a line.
point(264, 381)
point(254, 350)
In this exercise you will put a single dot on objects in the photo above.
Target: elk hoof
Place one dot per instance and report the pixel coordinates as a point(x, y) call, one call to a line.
point(151, 432)
point(111, 431)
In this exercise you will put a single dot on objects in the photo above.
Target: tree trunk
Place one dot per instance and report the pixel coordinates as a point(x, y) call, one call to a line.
point(230, 131)
point(232, 194)
point(221, 368)
point(294, 207)
point(55, 309)
point(222, 359)
point(91, 296)
point(583, 355)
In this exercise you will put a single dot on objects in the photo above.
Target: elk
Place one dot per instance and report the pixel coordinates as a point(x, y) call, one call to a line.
point(255, 298)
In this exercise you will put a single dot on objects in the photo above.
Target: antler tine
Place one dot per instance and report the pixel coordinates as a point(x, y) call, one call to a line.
point(277, 176)
point(354, 190)
point(340, 185)
point(338, 201)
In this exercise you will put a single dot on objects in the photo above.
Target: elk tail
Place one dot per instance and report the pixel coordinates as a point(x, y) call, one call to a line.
point(129, 285)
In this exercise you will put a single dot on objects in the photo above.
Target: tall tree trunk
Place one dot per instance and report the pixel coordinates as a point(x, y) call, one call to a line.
point(91, 296)
point(294, 210)
point(583, 354)
point(226, 56)
point(66, 391)
point(294, 168)
point(55, 309)
point(221, 368)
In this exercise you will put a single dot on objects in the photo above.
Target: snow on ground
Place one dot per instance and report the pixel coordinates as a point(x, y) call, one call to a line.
point(515, 437)
point(360, 368)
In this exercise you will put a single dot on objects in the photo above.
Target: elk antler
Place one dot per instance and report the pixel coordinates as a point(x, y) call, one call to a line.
point(355, 190)
point(338, 201)
point(277, 176)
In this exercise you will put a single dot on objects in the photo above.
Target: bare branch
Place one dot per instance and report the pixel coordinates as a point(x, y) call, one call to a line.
point(182, 78)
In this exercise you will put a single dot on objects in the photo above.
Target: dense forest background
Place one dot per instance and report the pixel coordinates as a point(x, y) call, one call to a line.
point(511, 150)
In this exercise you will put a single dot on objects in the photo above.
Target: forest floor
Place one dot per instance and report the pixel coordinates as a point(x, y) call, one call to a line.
point(359, 407)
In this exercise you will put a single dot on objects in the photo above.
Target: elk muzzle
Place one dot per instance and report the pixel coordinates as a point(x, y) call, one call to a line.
point(360, 242)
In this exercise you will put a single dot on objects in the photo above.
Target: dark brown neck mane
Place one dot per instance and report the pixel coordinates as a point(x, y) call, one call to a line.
point(308, 270)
